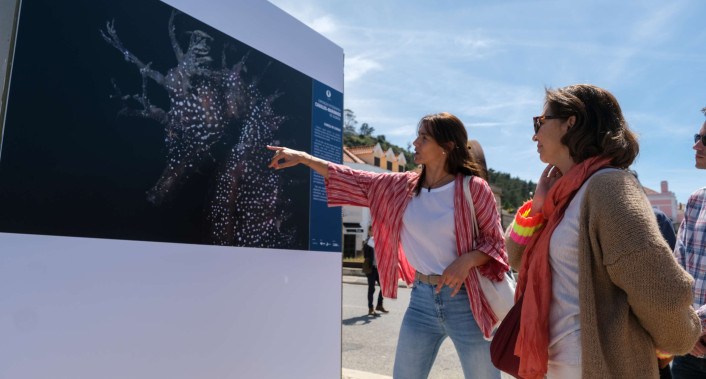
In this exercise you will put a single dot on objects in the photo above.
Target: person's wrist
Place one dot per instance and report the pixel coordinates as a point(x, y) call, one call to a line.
point(536, 207)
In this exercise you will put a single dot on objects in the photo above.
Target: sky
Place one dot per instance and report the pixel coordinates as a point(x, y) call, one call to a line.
point(489, 62)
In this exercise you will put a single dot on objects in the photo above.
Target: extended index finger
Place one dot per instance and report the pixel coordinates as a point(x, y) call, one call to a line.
point(442, 281)
point(275, 158)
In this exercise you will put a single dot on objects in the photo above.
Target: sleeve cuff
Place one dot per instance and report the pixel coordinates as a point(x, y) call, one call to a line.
point(701, 312)
point(662, 355)
point(524, 227)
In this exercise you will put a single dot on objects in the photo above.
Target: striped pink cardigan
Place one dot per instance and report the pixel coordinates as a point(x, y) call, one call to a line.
point(387, 196)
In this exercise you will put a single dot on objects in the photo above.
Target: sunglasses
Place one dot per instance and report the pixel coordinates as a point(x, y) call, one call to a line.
point(540, 119)
point(699, 137)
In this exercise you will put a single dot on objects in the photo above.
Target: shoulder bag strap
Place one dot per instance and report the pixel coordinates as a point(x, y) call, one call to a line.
point(469, 199)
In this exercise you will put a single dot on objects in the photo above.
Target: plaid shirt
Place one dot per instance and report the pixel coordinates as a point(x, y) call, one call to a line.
point(690, 250)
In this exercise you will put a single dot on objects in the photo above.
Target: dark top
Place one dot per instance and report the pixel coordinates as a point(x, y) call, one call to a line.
point(666, 227)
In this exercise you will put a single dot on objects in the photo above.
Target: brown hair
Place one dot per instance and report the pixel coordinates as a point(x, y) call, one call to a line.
point(444, 128)
point(476, 152)
point(600, 128)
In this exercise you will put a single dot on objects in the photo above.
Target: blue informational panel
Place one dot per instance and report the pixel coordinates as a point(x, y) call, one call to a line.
point(326, 143)
point(142, 233)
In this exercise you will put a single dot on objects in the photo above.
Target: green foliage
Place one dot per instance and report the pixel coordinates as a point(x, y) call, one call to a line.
point(366, 129)
point(349, 121)
point(515, 190)
point(352, 140)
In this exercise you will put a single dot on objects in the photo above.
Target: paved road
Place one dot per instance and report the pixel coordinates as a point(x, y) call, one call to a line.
point(369, 343)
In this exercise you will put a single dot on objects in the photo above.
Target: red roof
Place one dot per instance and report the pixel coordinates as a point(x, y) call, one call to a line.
point(350, 157)
point(650, 192)
point(358, 150)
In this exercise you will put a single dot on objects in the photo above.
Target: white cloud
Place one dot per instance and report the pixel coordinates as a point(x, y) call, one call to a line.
point(312, 16)
point(357, 66)
point(326, 25)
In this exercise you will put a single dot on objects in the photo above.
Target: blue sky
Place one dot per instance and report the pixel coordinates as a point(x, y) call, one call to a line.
point(489, 62)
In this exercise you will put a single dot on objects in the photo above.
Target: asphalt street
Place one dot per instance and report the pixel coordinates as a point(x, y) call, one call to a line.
point(369, 342)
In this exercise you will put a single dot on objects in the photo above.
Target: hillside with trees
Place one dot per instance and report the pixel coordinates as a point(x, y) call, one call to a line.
point(515, 190)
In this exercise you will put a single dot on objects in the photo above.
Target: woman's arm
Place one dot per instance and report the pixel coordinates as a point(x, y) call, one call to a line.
point(456, 273)
point(515, 250)
point(529, 218)
point(520, 232)
point(638, 260)
point(344, 186)
point(294, 157)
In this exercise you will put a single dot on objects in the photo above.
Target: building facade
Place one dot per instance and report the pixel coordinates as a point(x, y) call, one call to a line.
point(665, 201)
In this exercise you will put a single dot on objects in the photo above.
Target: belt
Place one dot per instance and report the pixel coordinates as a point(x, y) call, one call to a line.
point(430, 279)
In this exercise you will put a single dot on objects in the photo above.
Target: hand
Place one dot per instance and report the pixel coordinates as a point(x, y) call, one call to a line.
point(290, 157)
point(549, 176)
point(699, 349)
point(456, 273)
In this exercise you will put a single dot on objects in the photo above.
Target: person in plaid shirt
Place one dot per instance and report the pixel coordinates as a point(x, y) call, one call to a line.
point(690, 252)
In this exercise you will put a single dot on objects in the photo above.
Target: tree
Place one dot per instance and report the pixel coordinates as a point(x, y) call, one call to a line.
point(366, 130)
point(349, 121)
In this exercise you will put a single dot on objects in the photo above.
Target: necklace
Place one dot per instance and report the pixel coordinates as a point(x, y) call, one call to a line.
point(437, 182)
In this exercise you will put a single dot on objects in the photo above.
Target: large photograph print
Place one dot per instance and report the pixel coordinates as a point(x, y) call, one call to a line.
point(131, 120)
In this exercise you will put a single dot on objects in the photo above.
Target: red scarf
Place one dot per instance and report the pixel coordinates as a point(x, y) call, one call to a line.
point(535, 279)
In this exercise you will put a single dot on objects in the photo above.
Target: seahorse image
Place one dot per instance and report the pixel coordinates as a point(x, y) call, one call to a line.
point(214, 109)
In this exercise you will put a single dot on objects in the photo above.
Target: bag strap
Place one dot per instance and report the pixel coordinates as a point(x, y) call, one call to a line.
point(469, 199)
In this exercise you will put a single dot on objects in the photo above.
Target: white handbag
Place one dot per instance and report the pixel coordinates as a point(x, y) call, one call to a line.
point(500, 295)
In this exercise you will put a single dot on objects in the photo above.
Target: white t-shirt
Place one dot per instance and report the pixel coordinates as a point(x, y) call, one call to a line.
point(428, 231)
point(564, 322)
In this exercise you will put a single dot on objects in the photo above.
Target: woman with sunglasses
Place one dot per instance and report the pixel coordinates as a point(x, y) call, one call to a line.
point(423, 233)
point(600, 287)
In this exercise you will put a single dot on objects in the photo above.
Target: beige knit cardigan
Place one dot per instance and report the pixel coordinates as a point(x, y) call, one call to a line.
point(633, 295)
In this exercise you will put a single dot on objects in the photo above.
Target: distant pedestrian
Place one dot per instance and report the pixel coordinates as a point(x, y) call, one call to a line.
point(423, 233)
point(691, 254)
point(599, 286)
point(370, 269)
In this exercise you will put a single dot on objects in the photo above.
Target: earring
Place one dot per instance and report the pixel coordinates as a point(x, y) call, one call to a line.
point(443, 152)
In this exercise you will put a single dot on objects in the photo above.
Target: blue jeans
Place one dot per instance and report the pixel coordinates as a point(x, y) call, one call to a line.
point(688, 367)
point(429, 319)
